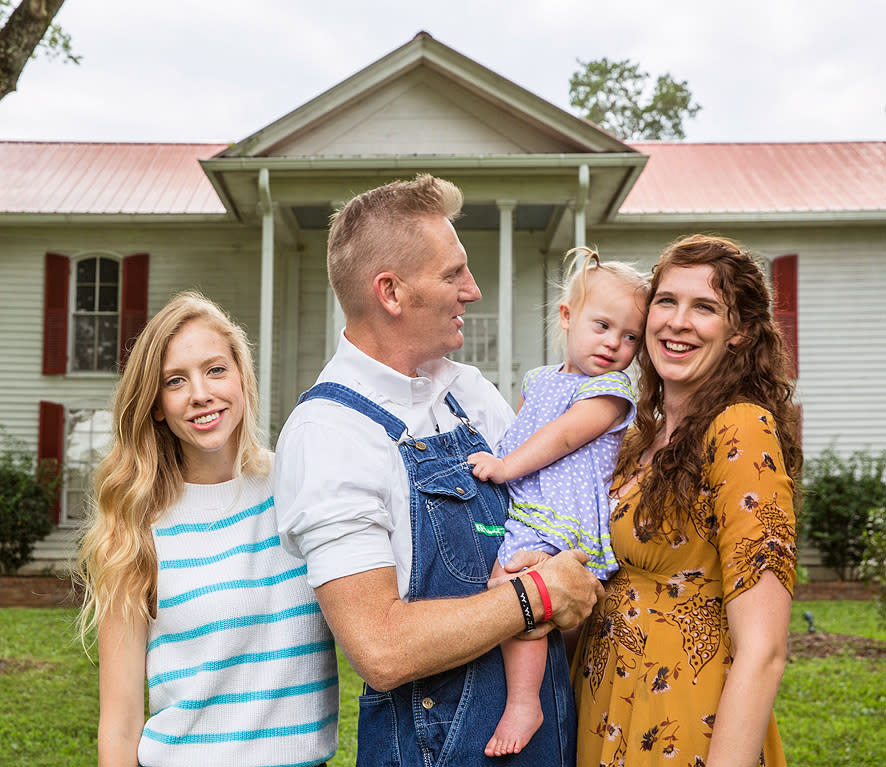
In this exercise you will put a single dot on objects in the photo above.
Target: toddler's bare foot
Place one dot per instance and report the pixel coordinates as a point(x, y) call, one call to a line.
point(515, 728)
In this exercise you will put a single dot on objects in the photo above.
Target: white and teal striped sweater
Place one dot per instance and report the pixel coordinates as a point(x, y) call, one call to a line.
point(240, 663)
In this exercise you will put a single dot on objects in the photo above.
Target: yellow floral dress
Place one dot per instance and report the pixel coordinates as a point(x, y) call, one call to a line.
point(653, 658)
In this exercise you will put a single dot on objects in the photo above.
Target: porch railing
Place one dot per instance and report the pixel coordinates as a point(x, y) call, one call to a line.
point(481, 341)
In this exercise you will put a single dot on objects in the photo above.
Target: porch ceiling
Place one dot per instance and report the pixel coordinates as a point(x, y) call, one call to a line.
point(474, 217)
point(310, 187)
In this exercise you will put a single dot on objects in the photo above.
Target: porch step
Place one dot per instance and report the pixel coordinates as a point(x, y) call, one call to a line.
point(55, 554)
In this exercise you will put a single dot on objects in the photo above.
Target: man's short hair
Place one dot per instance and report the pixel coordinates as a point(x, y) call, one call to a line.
point(378, 231)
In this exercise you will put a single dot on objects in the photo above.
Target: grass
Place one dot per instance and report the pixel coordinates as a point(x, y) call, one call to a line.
point(831, 711)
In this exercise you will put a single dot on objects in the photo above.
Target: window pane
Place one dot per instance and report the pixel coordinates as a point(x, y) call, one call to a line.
point(76, 496)
point(107, 298)
point(84, 357)
point(106, 352)
point(84, 343)
point(108, 270)
point(88, 435)
point(85, 298)
point(84, 330)
point(86, 270)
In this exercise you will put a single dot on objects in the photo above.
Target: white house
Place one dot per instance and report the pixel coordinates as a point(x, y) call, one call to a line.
point(94, 238)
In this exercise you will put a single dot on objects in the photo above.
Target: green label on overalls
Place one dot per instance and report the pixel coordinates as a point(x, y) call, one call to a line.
point(490, 530)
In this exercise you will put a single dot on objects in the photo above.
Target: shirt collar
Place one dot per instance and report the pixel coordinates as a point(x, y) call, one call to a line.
point(388, 384)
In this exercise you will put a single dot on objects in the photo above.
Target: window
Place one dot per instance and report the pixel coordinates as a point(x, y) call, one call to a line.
point(75, 439)
point(105, 307)
point(96, 315)
point(87, 436)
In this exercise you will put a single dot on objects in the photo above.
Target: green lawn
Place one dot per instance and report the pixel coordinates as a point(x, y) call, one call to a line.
point(831, 711)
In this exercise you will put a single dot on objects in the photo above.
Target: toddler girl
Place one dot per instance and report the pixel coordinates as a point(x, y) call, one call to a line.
point(559, 454)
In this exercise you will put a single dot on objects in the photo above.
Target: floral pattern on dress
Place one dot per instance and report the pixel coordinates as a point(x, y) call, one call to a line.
point(653, 658)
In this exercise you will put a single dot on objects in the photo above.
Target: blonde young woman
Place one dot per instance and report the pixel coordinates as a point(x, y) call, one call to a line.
point(185, 577)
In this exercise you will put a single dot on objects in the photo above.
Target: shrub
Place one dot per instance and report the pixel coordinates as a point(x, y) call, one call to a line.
point(873, 563)
point(27, 490)
point(838, 493)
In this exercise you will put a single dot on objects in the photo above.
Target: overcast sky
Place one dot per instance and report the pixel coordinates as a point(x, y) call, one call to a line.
point(218, 70)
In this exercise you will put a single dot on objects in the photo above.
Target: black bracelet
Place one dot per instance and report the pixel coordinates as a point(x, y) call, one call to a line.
point(525, 607)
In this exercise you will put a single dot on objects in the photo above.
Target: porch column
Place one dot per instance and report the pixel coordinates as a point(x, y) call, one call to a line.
point(505, 297)
point(581, 201)
point(266, 315)
point(335, 316)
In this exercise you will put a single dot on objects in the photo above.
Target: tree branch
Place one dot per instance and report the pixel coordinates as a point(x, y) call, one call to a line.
point(22, 33)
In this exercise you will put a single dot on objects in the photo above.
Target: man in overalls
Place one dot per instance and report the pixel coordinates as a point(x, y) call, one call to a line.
point(373, 490)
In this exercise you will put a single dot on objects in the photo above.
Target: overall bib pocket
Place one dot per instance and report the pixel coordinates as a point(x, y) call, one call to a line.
point(460, 521)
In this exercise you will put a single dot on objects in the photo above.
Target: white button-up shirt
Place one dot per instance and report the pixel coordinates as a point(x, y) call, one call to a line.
point(340, 487)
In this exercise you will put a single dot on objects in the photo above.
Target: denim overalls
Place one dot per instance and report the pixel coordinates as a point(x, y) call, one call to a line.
point(445, 720)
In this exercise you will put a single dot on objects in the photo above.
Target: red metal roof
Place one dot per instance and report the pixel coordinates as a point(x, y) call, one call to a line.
point(49, 177)
point(752, 178)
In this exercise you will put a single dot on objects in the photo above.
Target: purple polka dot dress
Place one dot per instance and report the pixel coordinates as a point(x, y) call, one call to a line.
point(565, 505)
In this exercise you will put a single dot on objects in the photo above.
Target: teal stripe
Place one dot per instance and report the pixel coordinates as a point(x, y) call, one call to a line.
point(234, 623)
point(240, 583)
point(219, 524)
point(246, 548)
point(240, 735)
point(248, 697)
point(237, 660)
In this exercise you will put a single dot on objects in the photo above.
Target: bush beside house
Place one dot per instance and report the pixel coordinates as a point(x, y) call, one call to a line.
point(838, 495)
point(27, 492)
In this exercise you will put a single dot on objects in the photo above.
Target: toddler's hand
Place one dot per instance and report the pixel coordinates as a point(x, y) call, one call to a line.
point(487, 467)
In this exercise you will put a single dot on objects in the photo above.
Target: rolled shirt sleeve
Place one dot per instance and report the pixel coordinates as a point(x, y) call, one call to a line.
point(332, 493)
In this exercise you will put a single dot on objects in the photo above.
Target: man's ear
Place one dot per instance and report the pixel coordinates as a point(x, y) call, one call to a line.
point(564, 316)
point(388, 292)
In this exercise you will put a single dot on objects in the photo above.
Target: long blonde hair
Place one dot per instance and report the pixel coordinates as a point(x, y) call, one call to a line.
point(142, 474)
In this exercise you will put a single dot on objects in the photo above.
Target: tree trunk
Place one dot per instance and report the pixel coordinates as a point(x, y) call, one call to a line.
point(23, 31)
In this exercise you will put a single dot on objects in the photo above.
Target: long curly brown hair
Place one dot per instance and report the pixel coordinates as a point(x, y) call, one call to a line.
point(755, 372)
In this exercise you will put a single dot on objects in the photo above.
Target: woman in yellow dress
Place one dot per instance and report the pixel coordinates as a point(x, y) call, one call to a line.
point(681, 662)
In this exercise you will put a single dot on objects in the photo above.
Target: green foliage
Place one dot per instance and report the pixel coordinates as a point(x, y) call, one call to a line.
point(873, 561)
point(26, 495)
point(56, 42)
point(838, 494)
point(615, 95)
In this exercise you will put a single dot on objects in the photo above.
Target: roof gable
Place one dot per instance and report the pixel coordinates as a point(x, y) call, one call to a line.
point(470, 110)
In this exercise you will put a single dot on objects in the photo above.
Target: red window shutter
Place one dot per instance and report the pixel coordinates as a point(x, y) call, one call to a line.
point(784, 282)
point(134, 311)
point(55, 314)
point(51, 444)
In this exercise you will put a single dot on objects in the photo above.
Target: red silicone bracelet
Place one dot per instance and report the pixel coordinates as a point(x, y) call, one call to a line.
point(545, 597)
